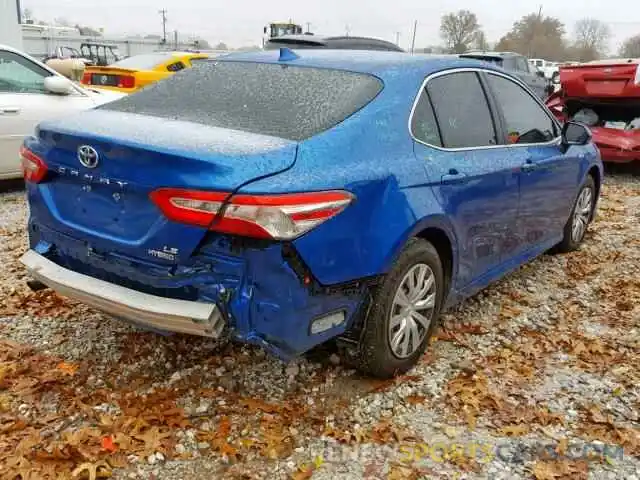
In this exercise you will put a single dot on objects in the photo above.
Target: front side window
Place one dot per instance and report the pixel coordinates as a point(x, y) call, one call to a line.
point(526, 120)
point(20, 75)
point(462, 111)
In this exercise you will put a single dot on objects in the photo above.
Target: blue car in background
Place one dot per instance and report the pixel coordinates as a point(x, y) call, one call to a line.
point(288, 199)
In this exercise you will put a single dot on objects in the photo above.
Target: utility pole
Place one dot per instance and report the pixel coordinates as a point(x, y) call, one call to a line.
point(163, 12)
point(398, 38)
point(175, 39)
point(413, 41)
point(308, 27)
point(536, 28)
point(347, 30)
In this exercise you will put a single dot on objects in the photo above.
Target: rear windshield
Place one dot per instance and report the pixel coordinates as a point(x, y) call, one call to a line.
point(147, 61)
point(282, 101)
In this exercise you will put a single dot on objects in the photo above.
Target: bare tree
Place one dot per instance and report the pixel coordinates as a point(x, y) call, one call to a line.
point(535, 36)
point(631, 47)
point(591, 39)
point(480, 42)
point(459, 30)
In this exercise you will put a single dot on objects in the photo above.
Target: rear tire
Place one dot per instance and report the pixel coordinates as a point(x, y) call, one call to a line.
point(404, 312)
point(581, 215)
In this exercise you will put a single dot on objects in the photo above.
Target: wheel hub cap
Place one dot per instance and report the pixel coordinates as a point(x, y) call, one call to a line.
point(412, 310)
point(581, 215)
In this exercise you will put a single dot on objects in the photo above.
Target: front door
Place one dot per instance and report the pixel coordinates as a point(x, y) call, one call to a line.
point(546, 174)
point(456, 136)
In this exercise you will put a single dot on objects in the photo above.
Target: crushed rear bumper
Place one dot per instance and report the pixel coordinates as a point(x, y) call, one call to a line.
point(195, 318)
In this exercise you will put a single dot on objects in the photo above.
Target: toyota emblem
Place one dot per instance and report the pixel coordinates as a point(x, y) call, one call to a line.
point(88, 156)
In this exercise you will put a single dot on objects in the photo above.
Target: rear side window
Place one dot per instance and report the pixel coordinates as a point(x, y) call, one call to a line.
point(526, 120)
point(423, 122)
point(462, 111)
point(283, 101)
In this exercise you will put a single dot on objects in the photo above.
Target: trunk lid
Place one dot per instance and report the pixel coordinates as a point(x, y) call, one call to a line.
point(107, 198)
point(601, 79)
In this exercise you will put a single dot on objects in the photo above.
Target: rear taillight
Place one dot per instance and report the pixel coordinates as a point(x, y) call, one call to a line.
point(126, 81)
point(278, 217)
point(33, 167)
point(86, 78)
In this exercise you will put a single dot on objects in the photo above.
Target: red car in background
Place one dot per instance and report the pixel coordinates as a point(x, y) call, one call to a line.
point(605, 95)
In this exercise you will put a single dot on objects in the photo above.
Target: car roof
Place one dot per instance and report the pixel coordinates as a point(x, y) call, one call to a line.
point(383, 64)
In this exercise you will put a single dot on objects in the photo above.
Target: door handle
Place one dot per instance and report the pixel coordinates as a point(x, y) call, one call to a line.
point(9, 110)
point(529, 166)
point(453, 176)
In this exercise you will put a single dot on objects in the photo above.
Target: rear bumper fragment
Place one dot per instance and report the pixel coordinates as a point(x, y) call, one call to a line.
point(195, 318)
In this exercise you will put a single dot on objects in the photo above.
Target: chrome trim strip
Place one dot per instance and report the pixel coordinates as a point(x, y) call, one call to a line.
point(195, 318)
point(486, 147)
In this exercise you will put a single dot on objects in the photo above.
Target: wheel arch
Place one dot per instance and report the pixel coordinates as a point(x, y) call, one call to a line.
point(440, 233)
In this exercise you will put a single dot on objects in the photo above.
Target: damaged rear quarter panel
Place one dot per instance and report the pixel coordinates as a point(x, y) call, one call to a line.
point(391, 186)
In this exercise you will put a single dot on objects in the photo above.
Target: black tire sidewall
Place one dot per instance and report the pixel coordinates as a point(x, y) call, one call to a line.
point(376, 355)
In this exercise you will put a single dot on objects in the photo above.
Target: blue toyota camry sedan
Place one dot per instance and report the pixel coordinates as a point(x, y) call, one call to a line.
point(288, 198)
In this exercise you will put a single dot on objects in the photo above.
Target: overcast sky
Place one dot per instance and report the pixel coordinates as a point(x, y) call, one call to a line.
point(240, 22)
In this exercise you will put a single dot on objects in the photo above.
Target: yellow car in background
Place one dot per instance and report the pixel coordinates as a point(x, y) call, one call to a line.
point(133, 73)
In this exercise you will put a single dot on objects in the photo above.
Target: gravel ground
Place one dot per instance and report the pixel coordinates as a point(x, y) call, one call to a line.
point(536, 377)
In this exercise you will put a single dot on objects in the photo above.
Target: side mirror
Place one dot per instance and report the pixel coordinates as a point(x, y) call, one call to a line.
point(265, 30)
point(58, 85)
point(574, 133)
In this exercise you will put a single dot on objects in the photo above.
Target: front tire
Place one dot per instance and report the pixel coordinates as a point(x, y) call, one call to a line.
point(404, 312)
point(581, 215)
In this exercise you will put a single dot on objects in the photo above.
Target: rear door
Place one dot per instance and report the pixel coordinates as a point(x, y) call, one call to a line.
point(456, 135)
point(548, 177)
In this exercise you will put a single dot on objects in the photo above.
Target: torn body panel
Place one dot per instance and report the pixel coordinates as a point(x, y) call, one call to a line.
point(242, 282)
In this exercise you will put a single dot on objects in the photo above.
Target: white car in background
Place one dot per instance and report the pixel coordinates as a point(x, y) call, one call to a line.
point(29, 93)
point(550, 69)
